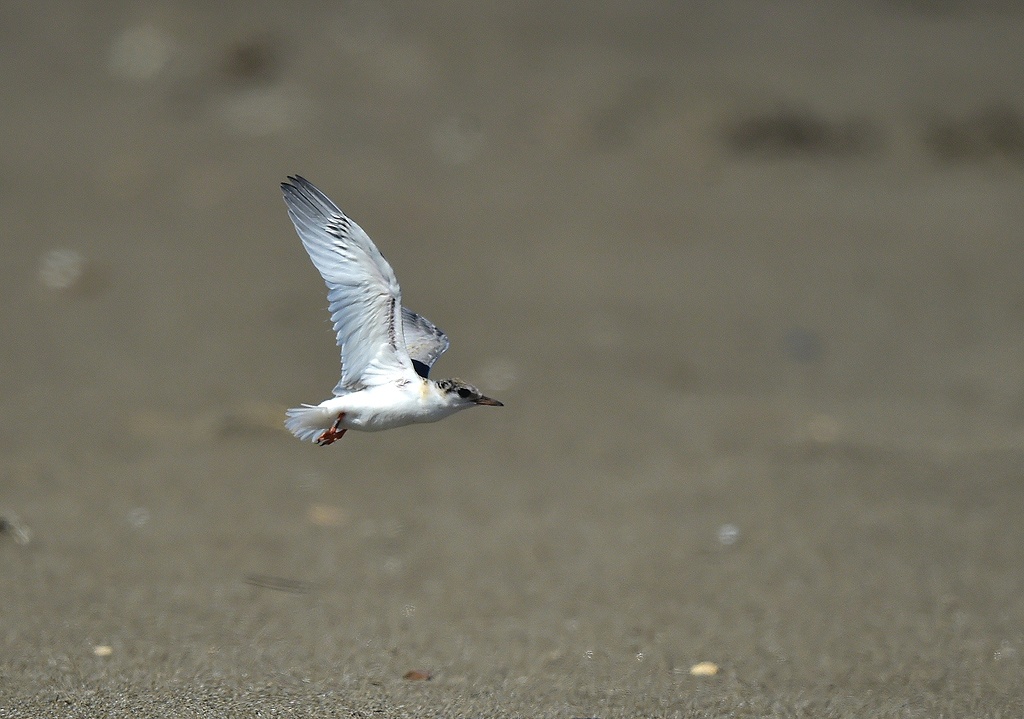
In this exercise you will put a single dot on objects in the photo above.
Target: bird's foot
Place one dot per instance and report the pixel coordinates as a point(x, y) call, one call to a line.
point(333, 434)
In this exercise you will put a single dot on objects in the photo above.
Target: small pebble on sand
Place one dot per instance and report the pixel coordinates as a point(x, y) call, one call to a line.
point(704, 669)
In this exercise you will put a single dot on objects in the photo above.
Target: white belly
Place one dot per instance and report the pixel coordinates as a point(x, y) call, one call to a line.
point(385, 407)
point(372, 410)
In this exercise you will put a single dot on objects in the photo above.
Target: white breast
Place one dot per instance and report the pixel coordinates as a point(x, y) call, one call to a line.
point(389, 405)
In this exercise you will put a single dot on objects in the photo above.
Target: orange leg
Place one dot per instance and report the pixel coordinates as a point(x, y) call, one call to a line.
point(332, 435)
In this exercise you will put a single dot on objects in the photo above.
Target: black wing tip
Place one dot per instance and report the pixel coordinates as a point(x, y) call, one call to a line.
point(295, 182)
point(303, 198)
point(301, 193)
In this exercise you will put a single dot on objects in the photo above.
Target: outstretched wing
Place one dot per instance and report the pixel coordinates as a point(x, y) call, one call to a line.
point(424, 341)
point(365, 299)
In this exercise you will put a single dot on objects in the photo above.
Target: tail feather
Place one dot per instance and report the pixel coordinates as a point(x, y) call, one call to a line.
point(307, 422)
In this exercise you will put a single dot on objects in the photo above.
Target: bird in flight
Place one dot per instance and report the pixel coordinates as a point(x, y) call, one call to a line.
point(386, 350)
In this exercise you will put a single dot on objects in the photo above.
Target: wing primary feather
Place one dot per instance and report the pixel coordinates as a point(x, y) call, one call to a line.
point(424, 341)
point(363, 292)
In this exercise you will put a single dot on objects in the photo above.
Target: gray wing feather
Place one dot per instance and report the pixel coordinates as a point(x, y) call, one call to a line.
point(424, 341)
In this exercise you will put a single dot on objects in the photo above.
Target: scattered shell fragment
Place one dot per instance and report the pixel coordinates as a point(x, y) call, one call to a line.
point(11, 526)
point(61, 269)
point(1006, 651)
point(138, 517)
point(418, 675)
point(103, 650)
point(704, 669)
point(728, 535)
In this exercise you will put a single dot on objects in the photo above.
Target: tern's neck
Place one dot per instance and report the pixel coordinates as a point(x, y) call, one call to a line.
point(439, 391)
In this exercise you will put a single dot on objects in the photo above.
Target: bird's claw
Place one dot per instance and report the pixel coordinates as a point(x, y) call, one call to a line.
point(332, 434)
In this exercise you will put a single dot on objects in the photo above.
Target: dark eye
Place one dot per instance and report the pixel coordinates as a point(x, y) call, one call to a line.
point(465, 393)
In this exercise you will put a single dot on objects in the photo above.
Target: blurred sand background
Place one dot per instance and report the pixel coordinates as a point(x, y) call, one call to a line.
point(748, 277)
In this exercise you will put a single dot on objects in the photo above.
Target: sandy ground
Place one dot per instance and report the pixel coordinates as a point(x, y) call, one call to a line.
point(748, 277)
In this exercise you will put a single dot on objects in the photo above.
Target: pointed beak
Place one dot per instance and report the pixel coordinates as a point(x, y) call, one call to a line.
point(488, 402)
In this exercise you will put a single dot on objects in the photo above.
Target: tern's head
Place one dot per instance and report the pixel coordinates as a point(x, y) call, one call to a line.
point(462, 395)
